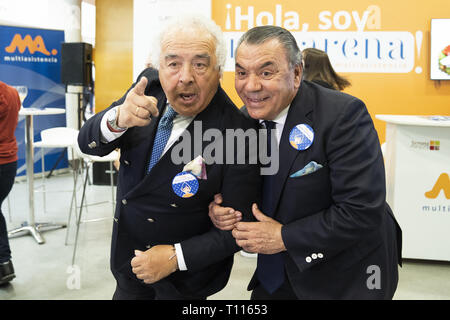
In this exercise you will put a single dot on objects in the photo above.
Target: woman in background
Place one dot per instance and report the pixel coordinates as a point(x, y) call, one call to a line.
point(317, 68)
point(9, 114)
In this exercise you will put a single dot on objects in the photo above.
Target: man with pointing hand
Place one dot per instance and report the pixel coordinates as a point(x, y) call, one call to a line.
point(164, 245)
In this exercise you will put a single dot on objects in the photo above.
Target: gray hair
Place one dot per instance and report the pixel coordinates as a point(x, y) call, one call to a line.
point(259, 35)
point(183, 22)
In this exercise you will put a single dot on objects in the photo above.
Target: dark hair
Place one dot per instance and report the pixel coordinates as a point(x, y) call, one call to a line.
point(317, 68)
point(258, 35)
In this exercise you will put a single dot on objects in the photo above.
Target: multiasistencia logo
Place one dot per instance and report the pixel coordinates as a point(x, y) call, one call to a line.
point(441, 186)
point(19, 45)
point(433, 145)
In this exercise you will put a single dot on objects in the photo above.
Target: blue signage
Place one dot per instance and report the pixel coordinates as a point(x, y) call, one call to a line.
point(31, 58)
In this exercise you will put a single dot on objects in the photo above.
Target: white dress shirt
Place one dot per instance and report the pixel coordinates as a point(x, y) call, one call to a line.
point(180, 123)
point(280, 120)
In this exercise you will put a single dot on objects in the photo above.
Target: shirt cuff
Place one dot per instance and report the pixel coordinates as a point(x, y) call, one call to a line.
point(180, 257)
point(107, 135)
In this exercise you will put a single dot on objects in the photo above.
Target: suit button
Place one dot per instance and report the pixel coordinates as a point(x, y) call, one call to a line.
point(124, 201)
point(320, 256)
point(148, 246)
point(116, 220)
point(314, 256)
point(126, 162)
point(308, 259)
point(92, 145)
point(150, 220)
point(174, 205)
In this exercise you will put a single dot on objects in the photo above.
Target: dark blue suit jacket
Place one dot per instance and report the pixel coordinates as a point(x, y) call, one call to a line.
point(336, 221)
point(148, 212)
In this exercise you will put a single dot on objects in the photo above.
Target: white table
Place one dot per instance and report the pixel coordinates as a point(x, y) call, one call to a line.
point(31, 227)
point(417, 156)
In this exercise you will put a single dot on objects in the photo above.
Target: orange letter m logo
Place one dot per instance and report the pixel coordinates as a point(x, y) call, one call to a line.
point(442, 183)
point(33, 45)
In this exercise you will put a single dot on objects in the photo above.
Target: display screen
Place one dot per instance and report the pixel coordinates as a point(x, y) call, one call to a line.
point(440, 49)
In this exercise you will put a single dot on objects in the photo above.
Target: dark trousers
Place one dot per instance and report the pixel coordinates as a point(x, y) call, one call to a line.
point(121, 294)
point(150, 294)
point(285, 292)
point(7, 175)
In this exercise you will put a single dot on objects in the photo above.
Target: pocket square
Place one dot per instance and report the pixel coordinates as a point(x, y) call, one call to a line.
point(197, 167)
point(309, 168)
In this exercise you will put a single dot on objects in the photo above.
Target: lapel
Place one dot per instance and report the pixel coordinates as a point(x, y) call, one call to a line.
point(300, 112)
point(165, 170)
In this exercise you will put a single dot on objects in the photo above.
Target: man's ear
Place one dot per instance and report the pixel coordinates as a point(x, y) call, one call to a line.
point(298, 73)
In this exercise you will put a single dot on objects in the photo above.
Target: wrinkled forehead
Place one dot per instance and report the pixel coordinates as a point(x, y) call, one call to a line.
point(188, 42)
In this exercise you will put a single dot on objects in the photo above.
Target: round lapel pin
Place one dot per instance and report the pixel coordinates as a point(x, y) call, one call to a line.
point(301, 136)
point(185, 184)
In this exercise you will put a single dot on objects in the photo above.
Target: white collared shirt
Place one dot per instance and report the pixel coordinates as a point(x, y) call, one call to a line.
point(180, 123)
point(280, 120)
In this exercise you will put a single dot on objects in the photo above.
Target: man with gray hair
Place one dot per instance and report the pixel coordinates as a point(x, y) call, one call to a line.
point(324, 229)
point(164, 245)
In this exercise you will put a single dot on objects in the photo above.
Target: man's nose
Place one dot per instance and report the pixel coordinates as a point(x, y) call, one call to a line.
point(186, 75)
point(253, 83)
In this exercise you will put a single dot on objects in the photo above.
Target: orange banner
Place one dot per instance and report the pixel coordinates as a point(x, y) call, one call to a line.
point(382, 47)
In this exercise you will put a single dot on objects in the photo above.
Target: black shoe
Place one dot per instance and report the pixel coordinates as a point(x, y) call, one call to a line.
point(6, 272)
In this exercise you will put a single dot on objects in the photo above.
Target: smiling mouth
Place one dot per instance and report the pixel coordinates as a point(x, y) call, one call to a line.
point(256, 100)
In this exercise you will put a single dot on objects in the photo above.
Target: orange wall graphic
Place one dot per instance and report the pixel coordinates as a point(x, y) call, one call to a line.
point(442, 183)
point(381, 46)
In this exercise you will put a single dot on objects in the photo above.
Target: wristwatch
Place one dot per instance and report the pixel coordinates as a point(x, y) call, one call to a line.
point(111, 121)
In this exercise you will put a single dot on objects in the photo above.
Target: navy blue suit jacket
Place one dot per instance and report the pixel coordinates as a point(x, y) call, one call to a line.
point(148, 212)
point(336, 221)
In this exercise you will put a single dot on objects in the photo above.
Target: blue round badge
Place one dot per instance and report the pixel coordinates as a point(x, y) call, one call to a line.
point(301, 137)
point(185, 184)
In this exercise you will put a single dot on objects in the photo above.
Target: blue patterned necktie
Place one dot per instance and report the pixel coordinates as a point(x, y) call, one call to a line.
point(270, 267)
point(162, 135)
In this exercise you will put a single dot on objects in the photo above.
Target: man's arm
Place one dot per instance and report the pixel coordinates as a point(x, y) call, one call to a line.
point(240, 189)
point(357, 178)
point(133, 109)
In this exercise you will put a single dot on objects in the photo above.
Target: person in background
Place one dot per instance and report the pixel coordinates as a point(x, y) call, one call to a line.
point(9, 114)
point(317, 68)
point(148, 61)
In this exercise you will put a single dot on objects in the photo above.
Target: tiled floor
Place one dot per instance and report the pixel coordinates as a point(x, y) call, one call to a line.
point(46, 272)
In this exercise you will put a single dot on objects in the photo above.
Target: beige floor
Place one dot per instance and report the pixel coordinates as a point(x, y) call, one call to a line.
point(45, 271)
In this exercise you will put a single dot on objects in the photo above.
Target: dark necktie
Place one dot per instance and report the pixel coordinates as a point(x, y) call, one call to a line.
point(162, 135)
point(270, 267)
point(267, 200)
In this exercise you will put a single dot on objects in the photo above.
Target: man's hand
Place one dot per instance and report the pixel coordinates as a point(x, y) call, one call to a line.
point(263, 236)
point(137, 108)
point(154, 264)
point(223, 218)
